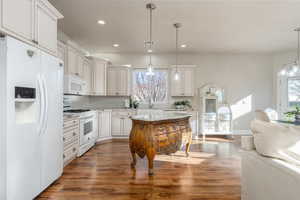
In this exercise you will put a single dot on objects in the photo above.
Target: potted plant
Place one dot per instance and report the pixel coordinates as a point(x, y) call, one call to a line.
point(295, 114)
point(181, 105)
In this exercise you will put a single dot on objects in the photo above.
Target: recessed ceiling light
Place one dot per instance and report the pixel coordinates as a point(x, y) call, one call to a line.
point(149, 50)
point(101, 22)
point(116, 45)
point(183, 46)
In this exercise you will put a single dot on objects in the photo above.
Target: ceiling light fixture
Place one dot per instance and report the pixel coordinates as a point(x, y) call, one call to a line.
point(177, 26)
point(116, 45)
point(149, 43)
point(101, 22)
point(183, 46)
point(293, 68)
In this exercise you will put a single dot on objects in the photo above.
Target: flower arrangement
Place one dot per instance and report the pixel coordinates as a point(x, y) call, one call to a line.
point(295, 114)
point(182, 104)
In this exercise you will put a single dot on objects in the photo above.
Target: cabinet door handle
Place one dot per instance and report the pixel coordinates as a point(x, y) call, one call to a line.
point(74, 149)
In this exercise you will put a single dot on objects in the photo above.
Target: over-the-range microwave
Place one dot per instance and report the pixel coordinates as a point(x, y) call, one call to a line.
point(74, 85)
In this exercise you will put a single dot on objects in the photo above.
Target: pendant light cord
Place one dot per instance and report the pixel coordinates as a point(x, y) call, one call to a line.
point(176, 49)
point(298, 56)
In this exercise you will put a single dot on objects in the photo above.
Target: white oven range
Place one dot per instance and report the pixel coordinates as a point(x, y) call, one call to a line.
point(88, 128)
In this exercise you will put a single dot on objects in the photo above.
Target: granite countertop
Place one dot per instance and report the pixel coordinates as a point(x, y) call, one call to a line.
point(159, 117)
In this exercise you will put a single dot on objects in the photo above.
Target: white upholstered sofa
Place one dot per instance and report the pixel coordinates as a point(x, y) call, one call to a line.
point(269, 179)
point(266, 178)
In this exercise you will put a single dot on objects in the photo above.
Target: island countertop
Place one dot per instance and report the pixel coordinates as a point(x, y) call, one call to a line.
point(160, 117)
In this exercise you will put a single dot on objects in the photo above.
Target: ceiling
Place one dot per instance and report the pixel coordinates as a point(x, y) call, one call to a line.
point(210, 26)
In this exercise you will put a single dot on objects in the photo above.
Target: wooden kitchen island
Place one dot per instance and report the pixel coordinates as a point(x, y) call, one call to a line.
point(153, 134)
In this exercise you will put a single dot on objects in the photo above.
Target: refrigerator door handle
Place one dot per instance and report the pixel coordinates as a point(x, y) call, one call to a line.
point(45, 118)
point(41, 102)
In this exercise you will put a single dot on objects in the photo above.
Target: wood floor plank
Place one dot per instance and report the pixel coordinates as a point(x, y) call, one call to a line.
point(212, 172)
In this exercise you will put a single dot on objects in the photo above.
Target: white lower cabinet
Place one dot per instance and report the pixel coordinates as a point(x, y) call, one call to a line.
point(121, 123)
point(104, 125)
point(70, 139)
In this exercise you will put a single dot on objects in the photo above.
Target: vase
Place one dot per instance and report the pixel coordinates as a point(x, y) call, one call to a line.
point(180, 107)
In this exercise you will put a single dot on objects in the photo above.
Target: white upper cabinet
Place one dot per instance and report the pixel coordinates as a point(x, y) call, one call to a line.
point(87, 76)
point(32, 21)
point(71, 67)
point(118, 81)
point(99, 77)
point(46, 26)
point(18, 18)
point(80, 66)
point(184, 86)
point(62, 51)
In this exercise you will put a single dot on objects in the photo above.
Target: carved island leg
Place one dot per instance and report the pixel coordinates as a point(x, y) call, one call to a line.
point(189, 140)
point(132, 148)
point(133, 154)
point(150, 155)
point(187, 149)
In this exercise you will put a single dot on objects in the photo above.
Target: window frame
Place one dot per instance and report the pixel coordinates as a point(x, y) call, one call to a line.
point(287, 90)
point(141, 69)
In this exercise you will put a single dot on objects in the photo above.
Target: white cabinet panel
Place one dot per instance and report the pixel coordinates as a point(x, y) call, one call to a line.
point(18, 17)
point(118, 81)
point(72, 61)
point(176, 86)
point(123, 81)
point(80, 66)
point(87, 76)
point(127, 126)
point(106, 124)
point(99, 78)
point(46, 27)
point(184, 86)
point(188, 82)
point(62, 52)
point(121, 124)
point(32, 21)
point(112, 82)
point(116, 124)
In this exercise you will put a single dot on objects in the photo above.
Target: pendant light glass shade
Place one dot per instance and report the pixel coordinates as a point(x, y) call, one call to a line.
point(292, 69)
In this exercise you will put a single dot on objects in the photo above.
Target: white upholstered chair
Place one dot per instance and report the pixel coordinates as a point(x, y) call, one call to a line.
point(266, 115)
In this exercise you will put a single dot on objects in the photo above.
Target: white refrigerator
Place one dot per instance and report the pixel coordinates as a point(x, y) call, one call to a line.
point(31, 120)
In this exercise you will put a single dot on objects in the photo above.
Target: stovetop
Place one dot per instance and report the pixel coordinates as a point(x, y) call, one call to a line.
point(76, 111)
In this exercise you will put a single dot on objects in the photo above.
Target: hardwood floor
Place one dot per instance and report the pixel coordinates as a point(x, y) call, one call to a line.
point(211, 173)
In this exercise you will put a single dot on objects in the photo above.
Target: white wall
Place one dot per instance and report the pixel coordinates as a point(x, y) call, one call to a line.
point(241, 75)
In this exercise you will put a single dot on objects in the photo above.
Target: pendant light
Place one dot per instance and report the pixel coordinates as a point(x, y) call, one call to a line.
point(149, 43)
point(292, 69)
point(177, 26)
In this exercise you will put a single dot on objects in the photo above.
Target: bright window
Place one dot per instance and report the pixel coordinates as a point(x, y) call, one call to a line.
point(154, 87)
point(293, 92)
